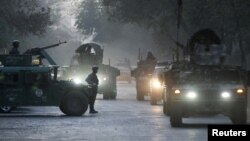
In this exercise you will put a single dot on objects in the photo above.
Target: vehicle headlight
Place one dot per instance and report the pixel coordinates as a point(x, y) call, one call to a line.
point(35, 62)
point(156, 83)
point(191, 95)
point(239, 91)
point(177, 91)
point(225, 95)
point(104, 78)
point(77, 81)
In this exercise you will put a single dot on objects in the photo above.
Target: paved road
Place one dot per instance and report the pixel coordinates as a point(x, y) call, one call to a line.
point(124, 119)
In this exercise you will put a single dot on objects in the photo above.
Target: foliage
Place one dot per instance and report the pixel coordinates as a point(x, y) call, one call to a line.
point(20, 18)
point(229, 18)
point(93, 19)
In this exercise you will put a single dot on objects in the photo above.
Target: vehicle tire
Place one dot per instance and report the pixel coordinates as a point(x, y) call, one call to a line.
point(165, 108)
point(6, 109)
point(74, 104)
point(166, 104)
point(153, 100)
point(175, 117)
point(139, 96)
point(239, 115)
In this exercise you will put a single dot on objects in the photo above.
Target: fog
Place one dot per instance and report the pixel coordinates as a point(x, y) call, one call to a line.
point(127, 46)
point(131, 35)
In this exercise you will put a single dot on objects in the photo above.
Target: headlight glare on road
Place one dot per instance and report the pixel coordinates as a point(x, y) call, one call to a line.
point(225, 95)
point(191, 95)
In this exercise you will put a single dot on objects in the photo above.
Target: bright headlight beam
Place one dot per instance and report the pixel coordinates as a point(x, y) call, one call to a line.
point(239, 91)
point(225, 95)
point(191, 95)
point(177, 91)
point(77, 81)
point(156, 84)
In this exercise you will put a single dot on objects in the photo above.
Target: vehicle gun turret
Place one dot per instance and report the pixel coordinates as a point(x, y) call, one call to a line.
point(41, 53)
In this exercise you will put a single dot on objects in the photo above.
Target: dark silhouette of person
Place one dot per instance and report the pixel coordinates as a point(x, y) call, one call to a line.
point(14, 50)
point(93, 81)
point(88, 49)
point(150, 56)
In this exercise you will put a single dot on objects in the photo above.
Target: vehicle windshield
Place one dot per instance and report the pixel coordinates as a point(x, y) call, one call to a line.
point(226, 76)
point(209, 76)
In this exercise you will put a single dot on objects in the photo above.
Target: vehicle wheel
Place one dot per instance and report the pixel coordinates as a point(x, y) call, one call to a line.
point(239, 115)
point(153, 100)
point(166, 108)
point(166, 104)
point(6, 109)
point(74, 104)
point(175, 118)
point(139, 96)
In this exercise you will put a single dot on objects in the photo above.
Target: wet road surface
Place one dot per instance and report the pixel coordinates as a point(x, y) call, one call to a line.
point(124, 119)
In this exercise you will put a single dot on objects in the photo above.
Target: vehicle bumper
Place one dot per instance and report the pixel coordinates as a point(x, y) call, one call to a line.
point(191, 107)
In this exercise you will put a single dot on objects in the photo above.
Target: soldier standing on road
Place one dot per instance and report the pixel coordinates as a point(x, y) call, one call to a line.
point(93, 81)
point(14, 50)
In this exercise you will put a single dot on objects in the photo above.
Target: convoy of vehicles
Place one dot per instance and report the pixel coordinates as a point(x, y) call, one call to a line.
point(202, 85)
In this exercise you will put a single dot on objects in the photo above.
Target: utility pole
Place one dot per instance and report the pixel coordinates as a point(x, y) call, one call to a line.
point(239, 35)
point(179, 13)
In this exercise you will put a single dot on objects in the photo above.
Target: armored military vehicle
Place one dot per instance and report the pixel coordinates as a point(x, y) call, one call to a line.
point(143, 73)
point(157, 86)
point(28, 82)
point(204, 84)
point(86, 56)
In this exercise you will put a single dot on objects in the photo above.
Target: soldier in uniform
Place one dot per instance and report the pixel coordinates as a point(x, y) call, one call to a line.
point(15, 45)
point(93, 81)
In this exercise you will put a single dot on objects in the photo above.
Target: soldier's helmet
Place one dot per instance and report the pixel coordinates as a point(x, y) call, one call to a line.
point(95, 68)
point(15, 43)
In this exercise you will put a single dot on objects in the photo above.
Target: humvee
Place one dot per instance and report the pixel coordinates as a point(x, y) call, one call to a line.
point(86, 56)
point(23, 83)
point(204, 83)
point(206, 90)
